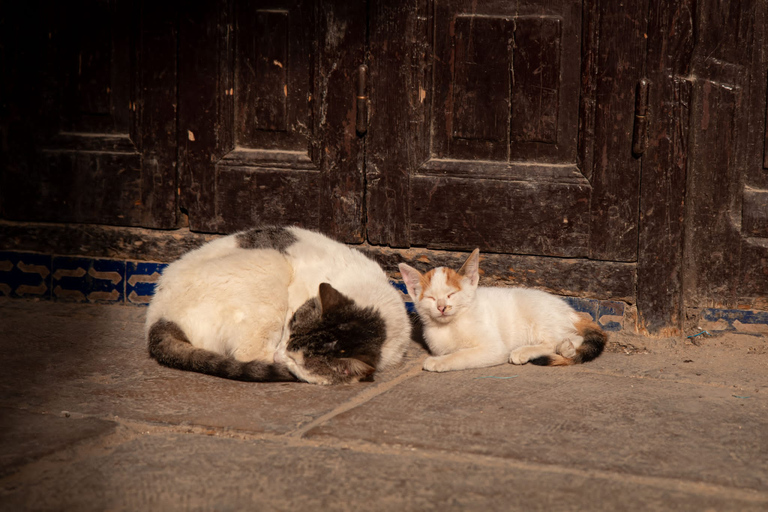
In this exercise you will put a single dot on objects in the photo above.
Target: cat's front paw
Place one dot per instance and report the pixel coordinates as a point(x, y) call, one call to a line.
point(436, 364)
point(518, 356)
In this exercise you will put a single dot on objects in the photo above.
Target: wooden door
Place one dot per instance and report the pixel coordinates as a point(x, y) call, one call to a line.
point(704, 209)
point(267, 115)
point(505, 126)
point(89, 91)
point(726, 235)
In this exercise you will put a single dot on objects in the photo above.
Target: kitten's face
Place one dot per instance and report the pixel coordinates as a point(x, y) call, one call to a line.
point(334, 341)
point(442, 294)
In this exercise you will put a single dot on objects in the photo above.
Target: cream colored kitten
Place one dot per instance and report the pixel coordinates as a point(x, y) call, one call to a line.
point(467, 326)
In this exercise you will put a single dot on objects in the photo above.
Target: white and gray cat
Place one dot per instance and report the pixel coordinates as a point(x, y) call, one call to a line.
point(277, 303)
point(467, 326)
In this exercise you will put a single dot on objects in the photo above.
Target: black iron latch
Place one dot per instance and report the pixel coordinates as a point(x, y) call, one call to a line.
point(361, 124)
point(640, 136)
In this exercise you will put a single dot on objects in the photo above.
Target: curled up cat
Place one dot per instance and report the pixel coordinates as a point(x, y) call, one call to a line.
point(466, 326)
point(277, 304)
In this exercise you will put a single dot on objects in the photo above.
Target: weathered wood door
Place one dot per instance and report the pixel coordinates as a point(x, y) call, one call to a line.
point(505, 126)
point(482, 122)
point(89, 92)
point(267, 115)
point(704, 209)
point(726, 235)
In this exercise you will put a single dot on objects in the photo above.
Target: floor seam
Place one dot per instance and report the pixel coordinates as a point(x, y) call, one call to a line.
point(359, 399)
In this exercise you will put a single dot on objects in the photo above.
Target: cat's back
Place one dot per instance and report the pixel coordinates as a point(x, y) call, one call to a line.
point(209, 283)
point(528, 303)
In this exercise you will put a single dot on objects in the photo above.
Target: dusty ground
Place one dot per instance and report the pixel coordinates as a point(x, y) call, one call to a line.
point(90, 423)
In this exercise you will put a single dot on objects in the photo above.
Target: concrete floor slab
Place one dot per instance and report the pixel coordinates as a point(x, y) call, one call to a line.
point(27, 436)
point(159, 471)
point(573, 417)
point(92, 359)
point(89, 422)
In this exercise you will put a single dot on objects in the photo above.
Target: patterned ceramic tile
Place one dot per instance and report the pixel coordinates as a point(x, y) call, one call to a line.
point(88, 280)
point(141, 277)
point(406, 298)
point(582, 305)
point(741, 320)
point(25, 274)
point(610, 315)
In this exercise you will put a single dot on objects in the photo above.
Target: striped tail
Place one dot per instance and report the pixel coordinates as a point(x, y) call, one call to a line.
point(590, 348)
point(170, 347)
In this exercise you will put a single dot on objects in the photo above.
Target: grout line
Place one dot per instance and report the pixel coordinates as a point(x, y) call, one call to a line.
point(358, 400)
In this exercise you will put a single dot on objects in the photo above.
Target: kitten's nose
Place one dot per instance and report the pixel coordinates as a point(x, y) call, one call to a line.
point(441, 306)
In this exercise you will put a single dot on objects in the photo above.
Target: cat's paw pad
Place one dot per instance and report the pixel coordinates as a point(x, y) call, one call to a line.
point(566, 349)
point(518, 356)
point(435, 364)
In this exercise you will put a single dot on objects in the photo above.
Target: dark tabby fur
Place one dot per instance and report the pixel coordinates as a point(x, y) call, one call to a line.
point(331, 336)
point(169, 346)
point(266, 237)
point(336, 338)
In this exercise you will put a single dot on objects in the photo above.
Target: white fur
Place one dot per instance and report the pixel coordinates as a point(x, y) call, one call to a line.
point(238, 302)
point(474, 327)
point(317, 259)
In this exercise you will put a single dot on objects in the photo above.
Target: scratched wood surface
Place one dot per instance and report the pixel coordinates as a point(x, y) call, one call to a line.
point(474, 127)
point(266, 115)
point(90, 113)
point(664, 164)
point(726, 249)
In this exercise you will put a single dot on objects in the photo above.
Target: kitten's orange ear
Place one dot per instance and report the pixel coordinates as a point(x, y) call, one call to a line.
point(331, 298)
point(471, 268)
point(411, 278)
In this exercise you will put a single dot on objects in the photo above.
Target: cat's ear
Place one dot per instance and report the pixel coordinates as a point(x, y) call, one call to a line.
point(471, 268)
point(355, 368)
point(412, 280)
point(331, 298)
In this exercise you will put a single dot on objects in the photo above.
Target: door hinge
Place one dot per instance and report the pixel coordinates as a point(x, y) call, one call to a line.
point(361, 125)
point(640, 135)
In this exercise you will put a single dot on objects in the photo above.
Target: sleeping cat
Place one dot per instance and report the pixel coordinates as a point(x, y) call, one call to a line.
point(467, 326)
point(277, 303)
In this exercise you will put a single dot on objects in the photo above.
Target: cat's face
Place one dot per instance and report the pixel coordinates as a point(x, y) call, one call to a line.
point(334, 341)
point(442, 294)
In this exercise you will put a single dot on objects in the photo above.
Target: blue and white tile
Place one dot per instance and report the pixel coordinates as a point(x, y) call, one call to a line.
point(141, 278)
point(582, 305)
point(610, 315)
point(88, 280)
point(25, 274)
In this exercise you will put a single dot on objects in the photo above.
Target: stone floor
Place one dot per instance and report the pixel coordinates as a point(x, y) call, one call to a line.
point(90, 423)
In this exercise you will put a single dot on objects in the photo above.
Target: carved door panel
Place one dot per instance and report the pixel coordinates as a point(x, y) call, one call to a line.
point(726, 235)
point(89, 106)
point(266, 118)
point(485, 130)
